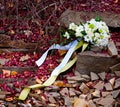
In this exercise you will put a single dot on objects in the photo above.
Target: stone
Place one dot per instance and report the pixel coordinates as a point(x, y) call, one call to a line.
point(99, 85)
point(54, 94)
point(2, 97)
point(77, 73)
point(117, 73)
point(50, 105)
point(72, 81)
point(64, 92)
point(89, 61)
point(84, 88)
point(91, 104)
point(117, 85)
point(80, 103)
point(11, 105)
point(52, 100)
point(72, 92)
point(106, 101)
point(102, 75)
point(115, 93)
point(93, 76)
point(96, 100)
point(77, 92)
point(76, 78)
point(52, 88)
point(108, 86)
point(117, 104)
point(105, 93)
point(112, 81)
point(112, 50)
point(83, 96)
point(72, 16)
point(68, 102)
point(86, 77)
point(89, 96)
point(96, 93)
point(115, 67)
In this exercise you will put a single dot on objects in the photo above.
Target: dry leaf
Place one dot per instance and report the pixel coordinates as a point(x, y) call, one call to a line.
point(80, 103)
point(61, 84)
point(116, 1)
point(13, 73)
point(38, 81)
point(42, 32)
point(61, 52)
point(27, 32)
point(9, 99)
point(23, 58)
point(6, 73)
point(3, 61)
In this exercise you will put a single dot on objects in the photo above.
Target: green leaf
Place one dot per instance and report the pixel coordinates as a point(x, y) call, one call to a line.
point(83, 32)
point(91, 26)
point(97, 19)
point(85, 45)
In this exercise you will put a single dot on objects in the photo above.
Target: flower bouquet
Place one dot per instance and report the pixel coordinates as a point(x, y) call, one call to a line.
point(93, 32)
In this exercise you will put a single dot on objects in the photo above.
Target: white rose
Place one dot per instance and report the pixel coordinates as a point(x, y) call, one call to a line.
point(73, 26)
point(66, 35)
point(78, 30)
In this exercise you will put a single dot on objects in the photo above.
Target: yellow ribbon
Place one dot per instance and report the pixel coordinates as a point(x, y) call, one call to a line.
point(51, 79)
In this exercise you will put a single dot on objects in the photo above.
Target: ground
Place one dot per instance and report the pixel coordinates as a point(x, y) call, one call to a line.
point(27, 30)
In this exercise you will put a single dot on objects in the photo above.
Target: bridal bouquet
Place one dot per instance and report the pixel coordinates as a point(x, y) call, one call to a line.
point(94, 32)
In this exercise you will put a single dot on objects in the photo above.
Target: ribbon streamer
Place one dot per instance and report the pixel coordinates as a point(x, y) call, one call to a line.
point(55, 46)
point(63, 66)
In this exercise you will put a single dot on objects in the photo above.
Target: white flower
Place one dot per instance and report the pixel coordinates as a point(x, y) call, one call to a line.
point(102, 42)
point(87, 38)
point(73, 26)
point(79, 29)
point(94, 32)
point(66, 35)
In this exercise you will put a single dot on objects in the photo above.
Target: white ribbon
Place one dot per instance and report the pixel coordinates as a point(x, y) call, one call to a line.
point(70, 47)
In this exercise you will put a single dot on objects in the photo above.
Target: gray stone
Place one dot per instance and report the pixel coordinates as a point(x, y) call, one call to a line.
point(112, 50)
point(72, 16)
point(94, 76)
point(89, 61)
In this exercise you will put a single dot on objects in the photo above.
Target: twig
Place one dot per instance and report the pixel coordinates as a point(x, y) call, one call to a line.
point(46, 7)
